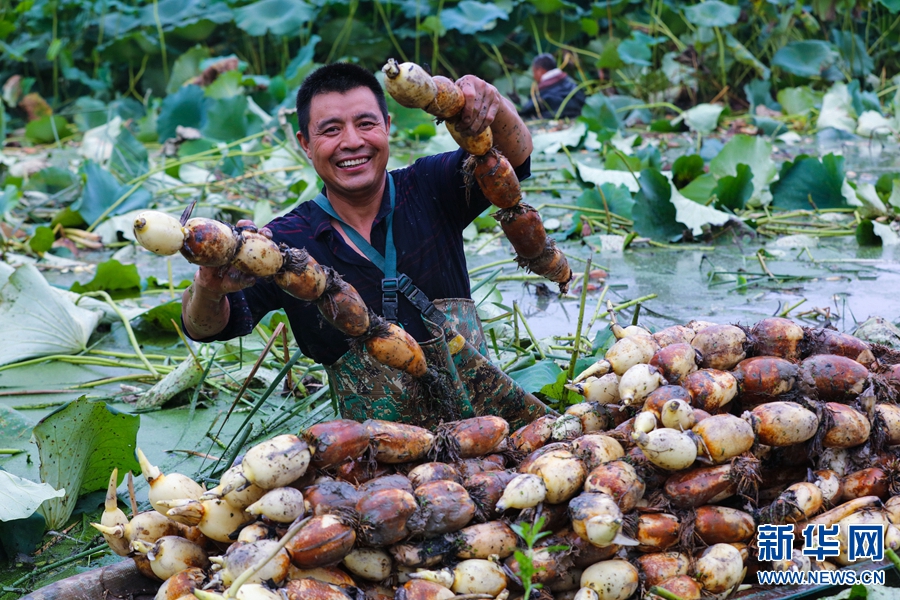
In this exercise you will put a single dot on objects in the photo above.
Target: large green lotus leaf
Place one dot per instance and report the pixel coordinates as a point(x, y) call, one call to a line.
point(891, 5)
point(186, 107)
point(101, 190)
point(686, 168)
point(89, 113)
point(187, 66)
point(712, 13)
point(653, 211)
point(600, 115)
point(47, 129)
point(19, 497)
point(226, 85)
point(808, 183)
point(703, 118)
point(808, 58)
point(21, 536)
point(701, 189)
point(853, 51)
point(79, 446)
point(618, 199)
point(278, 17)
point(558, 391)
point(51, 180)
point(636, 49)
point(44, 322)
point(799, 100)
point(129, 157)
point(180, 14)
point(227, 119)
point(837, 109)
point(535, 377)
point(733, 191)
point(756, 153)
point(111, 276)
point(472, 17)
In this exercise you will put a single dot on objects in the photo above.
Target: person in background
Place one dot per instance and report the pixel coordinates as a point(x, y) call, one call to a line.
point(553, 88)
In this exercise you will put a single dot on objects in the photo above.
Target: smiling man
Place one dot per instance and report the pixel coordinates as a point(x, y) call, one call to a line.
point(420, 210)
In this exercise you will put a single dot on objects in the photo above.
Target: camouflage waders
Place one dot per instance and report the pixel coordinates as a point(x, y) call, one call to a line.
point(364, 388)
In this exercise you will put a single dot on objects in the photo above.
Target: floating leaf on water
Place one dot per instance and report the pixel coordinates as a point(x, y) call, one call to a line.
point(551, 142)
point(80, 444)
point(701, 189)
point(654, 213)
point(42, 239)
point(695, 216)
point(113, 277)
point(601, 176)
point(733, 191)
point(686, 168)
point(867, 198)
point(703, 118)
point(865, 234)
point(618, 200)
point(809, 183)
point(534, 378)
point(799, 100)
point(888, 235)
point(47, 130)
point(837, 110)
point(872, 124)
point(44, 320)
point(101, 190)
point(754, 152)
point(19, 497)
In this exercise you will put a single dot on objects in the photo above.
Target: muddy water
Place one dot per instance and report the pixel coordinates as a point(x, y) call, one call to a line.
point(847, 284)
point(830, 278)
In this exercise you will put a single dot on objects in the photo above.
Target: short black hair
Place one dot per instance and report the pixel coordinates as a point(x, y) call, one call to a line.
point(336, 77)
point(544, 61)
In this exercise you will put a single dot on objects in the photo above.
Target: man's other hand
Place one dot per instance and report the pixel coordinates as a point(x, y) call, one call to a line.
point(482, 103)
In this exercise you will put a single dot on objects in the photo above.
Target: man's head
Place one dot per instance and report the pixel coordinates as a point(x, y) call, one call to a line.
point(344, 129)
point(336, 77)
point(541, 64)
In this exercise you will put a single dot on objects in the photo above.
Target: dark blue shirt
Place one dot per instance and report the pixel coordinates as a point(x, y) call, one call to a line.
point(431, 210)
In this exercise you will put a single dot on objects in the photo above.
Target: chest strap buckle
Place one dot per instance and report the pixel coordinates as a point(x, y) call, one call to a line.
point(403, 284)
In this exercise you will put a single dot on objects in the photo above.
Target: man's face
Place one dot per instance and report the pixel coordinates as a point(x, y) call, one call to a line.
point(537, 73)
point(348, 143)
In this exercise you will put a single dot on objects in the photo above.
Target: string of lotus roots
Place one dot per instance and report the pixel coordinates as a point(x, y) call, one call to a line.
point(211, 243)
point(412, 87)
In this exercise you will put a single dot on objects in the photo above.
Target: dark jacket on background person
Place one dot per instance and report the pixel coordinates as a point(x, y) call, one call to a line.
point(554, 87)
